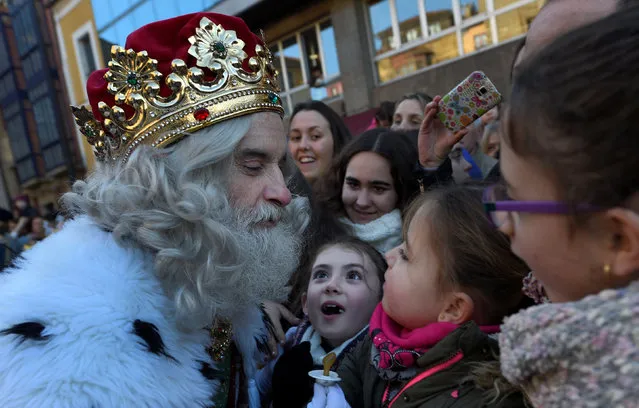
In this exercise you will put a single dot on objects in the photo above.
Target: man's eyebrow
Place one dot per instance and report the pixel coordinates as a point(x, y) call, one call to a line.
point(254, 153)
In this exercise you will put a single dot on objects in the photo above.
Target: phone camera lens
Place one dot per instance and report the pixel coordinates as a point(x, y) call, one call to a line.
point(483, 91)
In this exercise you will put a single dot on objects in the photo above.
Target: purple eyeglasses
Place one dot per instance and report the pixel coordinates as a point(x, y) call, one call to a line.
point(499, 206)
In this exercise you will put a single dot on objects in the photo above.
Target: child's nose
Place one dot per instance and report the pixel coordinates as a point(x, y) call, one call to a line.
point(333, 286)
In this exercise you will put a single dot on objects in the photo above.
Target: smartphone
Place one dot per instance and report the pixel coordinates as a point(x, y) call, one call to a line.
point(468, 101)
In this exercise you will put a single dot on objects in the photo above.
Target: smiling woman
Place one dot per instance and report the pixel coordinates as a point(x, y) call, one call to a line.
point(316, 135)
point(370, 184)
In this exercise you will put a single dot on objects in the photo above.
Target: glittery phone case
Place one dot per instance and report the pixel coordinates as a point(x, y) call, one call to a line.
point(473, 97)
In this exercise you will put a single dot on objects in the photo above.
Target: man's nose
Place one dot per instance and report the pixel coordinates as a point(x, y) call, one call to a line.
point(276, 191)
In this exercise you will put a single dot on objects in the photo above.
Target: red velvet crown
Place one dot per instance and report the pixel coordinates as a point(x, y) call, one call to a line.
point(201, 68)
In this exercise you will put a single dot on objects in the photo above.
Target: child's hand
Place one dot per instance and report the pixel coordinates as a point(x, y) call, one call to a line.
point(435, 141)
point(292, 387)
point(328, 397)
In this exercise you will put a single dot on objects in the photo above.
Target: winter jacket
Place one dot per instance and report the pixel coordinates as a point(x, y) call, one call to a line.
point(443, 378)
point(294, 336)
point(576, 354)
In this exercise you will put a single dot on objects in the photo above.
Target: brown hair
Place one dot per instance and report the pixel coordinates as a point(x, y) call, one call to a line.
point(360, 247)
point(422, 98)
point(474, 256)
point(339, 130)
point(574, 109)
point(394, 146)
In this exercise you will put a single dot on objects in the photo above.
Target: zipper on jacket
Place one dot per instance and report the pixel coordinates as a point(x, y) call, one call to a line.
point(434, 369)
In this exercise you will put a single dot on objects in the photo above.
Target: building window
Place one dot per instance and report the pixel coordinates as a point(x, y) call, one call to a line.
point(7, 87)
point(33, 64)
point(53, 156)
point(481, 41)
point(515, 22)
point(86, 56)
point(25, 27)
point(18, 137)
point(25, 169)
point(38, 91)
point(45, 121)
point(411, 35)
point(5, 59)
point(48, 132)
point(116, 19)
point(308, 65)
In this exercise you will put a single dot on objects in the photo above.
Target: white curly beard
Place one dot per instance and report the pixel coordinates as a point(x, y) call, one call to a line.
point(269, 255)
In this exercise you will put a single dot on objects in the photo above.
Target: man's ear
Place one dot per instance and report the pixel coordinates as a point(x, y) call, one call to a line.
point(304, 305)
point(624, 244)
point(458, 309)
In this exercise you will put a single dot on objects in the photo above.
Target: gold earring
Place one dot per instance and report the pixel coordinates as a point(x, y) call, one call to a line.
point(607, 269)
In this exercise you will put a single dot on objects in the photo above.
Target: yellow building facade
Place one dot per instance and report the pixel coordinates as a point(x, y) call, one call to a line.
point(80, 53)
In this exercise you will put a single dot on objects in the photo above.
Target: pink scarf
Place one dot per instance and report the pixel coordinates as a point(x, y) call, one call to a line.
point(399, 348)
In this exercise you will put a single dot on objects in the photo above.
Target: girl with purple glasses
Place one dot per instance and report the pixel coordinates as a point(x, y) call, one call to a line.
point(570, 206)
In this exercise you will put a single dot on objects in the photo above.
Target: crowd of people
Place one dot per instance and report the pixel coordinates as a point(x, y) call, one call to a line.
point(220, 259)
point(24, 226)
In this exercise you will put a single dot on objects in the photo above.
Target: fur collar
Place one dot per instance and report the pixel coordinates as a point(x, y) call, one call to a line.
point(85, 322)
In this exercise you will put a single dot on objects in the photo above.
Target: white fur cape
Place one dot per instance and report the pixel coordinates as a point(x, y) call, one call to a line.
point(77, 319)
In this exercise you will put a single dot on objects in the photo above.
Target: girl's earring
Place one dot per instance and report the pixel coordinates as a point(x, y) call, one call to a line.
point(607, 269)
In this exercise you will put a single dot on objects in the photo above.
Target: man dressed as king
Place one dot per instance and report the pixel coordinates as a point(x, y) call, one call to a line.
point(150, 295)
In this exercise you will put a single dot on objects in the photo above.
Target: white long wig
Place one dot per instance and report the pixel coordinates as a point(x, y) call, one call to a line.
point(173, 202)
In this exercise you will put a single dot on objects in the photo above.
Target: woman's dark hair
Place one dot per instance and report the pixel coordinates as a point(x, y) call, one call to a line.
point(474, 256)
point(385, 112)
point(341, 134)
point(574, 109)
point(420, 97)
point(322, 228)
point(356, 245)
point(394, 146)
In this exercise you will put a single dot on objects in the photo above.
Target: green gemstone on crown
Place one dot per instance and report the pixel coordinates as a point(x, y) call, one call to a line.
point(273, 98)
point(219, 49)
point(88, 130)
point(132, 79)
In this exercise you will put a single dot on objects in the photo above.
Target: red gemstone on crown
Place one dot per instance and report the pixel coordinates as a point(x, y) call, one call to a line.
point(201, 114)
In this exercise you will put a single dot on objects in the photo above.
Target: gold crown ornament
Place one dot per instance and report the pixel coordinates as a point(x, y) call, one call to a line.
point(196, 98)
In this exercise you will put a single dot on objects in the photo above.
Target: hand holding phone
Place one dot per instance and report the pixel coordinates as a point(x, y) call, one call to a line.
point(468, 101)
point(435, 141)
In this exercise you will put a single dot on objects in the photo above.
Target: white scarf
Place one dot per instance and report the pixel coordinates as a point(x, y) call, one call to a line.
point(384, 233)
point(317, 351)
